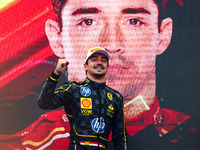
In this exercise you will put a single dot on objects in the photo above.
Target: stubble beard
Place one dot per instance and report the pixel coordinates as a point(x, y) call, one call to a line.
point(98, 75)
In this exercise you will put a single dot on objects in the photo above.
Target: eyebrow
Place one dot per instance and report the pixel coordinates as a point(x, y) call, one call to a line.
point(135, 11)
point(94, 56)
point(91, 10)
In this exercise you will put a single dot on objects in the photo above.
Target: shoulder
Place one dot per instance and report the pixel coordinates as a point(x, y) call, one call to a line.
point(74, 84)
point(114, 92)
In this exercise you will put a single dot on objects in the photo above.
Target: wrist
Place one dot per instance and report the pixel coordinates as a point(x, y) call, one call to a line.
point(57, 72)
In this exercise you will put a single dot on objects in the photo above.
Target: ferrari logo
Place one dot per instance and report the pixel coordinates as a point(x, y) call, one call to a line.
point(110, 96)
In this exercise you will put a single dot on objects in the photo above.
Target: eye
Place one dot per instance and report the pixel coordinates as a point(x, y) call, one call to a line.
point(104, 60)
point(93, 59)
point(87, 22)
point(135, 22)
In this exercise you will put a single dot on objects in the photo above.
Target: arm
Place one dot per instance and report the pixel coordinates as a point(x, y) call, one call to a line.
point(119, 133)
point(49, 98)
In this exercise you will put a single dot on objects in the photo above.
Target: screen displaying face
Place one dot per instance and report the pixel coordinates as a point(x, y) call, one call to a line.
point(128, 29)
point(31, 41)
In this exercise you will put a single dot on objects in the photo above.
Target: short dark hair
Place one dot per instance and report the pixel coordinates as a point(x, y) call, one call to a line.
point(164, 7)
point(57, 6)
point(161, 4)
point(107, 62)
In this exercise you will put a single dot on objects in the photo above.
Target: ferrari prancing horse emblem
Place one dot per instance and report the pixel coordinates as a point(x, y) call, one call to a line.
point(110, 96)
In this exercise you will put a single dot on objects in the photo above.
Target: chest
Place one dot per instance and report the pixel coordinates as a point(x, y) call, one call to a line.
point(93, 102)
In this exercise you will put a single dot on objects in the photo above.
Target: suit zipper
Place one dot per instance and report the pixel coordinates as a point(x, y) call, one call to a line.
point(99, 119)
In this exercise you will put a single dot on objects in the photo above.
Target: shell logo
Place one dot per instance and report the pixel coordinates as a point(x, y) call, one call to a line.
point(86, 103)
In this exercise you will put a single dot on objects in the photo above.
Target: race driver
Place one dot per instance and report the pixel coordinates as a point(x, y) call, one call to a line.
point(92, 107)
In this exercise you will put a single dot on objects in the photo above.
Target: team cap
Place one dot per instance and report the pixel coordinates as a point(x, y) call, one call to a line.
point(96, 50)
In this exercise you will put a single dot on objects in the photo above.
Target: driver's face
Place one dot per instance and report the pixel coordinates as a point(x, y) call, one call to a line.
point(128, 29)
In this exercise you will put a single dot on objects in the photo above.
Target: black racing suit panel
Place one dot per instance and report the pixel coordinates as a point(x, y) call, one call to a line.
point(93, 110)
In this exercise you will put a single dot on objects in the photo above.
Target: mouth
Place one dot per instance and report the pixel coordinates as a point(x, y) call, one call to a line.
point(99, 68)
point(118, 66)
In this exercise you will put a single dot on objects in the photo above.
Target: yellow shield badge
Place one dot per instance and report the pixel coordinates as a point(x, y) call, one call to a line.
point(110, 96)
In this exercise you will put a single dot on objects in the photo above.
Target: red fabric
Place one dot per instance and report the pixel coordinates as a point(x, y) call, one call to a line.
point(169, 119)
point(50, 131)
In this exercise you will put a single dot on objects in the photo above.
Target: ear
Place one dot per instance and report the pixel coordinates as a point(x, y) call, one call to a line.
point(165, 35)
point(85, 66)
point(108, 69)
point(53, 33)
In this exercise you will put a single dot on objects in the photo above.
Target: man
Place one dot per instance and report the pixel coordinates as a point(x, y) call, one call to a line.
point(92, 107)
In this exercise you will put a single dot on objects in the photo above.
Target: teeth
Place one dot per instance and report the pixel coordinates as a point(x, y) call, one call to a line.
point(98, 67)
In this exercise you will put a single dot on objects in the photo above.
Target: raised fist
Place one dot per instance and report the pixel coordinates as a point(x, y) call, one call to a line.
point(61, 66)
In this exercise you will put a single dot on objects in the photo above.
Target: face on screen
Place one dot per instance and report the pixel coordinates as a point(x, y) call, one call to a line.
point(128, 29)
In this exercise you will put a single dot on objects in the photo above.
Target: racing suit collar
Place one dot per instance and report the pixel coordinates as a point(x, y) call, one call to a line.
point(94, 84)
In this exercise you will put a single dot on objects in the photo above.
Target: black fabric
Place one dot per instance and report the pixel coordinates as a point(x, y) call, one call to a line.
point(85, 104)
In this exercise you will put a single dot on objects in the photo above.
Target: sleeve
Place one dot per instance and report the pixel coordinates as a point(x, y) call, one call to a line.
point(119, 133)
point(50, 98)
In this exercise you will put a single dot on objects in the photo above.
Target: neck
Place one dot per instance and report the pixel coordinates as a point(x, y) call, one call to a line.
point(143, 100)
point(149, 92)
point(98, 79)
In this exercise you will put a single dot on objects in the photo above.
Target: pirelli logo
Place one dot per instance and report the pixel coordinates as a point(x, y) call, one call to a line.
point(86, 103)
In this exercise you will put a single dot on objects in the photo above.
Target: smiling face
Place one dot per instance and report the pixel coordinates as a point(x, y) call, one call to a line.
point(127, 29)
point(96, 67)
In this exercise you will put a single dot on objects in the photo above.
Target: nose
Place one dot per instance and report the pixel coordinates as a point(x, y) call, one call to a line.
point(112, 37)
point(99, 61)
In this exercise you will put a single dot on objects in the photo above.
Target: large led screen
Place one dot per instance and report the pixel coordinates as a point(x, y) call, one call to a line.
point(154, 64)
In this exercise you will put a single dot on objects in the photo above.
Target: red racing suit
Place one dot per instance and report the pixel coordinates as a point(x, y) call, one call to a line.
point(93, 110)
point(159, 128)
point(164, 120)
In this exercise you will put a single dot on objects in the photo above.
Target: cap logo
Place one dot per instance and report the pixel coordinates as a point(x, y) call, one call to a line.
point(94, 49)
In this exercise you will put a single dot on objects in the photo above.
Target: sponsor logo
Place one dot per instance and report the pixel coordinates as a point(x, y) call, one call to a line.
point(89, 143)
point(65, 119)
point(86, 106)
point(86, 103)
point(110, 111)
point(94, 49)
point(98, 126)
point(111, 107)
point(85, 91)
point(109, 114)
point(86, 112)
point(110, 96)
